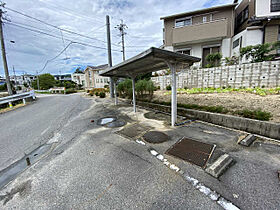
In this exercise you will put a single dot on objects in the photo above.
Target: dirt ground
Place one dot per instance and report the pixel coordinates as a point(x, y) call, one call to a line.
point(232, 101)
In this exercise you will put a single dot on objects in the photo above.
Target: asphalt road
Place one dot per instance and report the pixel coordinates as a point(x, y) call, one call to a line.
point(26, 128)
point(100, 170)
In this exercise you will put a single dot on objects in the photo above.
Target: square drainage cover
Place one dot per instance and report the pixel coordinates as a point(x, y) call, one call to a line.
point(195, 152)
point(133, 131)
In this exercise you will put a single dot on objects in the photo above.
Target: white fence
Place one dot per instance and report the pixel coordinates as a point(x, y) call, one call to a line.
point(17, 97)
point(264, 74)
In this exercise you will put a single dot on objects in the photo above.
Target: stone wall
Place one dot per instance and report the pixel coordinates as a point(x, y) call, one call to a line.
point(264, 74)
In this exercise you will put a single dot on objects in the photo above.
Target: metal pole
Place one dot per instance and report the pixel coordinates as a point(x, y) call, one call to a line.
point(15, 78)
point(109, 54)
point(8, 82)
point(174, 96)
point(123, 48)
point(38, 83)
point(115, 91)
point(133, 93)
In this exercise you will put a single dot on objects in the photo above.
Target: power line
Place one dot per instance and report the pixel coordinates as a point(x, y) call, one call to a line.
point(55, 56)
point(54, 36)
point(72, 13)
point(66, 30)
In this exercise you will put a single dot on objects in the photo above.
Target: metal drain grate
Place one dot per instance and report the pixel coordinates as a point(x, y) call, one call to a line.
point(195, 152)
point(133, 131)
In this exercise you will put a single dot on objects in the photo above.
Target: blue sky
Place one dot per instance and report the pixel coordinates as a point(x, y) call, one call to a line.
point(31, 50)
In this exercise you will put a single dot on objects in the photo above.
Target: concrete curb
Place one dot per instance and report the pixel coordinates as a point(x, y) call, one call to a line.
point(268, 129)
point(220, 166)
point(248, 140)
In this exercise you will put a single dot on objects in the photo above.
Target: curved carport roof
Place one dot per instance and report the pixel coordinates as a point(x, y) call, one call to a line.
point(153, 59)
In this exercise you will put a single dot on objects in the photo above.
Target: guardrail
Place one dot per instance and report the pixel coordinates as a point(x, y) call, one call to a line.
point(17, 97)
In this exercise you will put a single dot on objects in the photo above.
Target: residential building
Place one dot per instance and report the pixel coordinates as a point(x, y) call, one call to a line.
point(201, 32)
point(257, 22)
point(79, 78)
point(23, 80)
point(93, 79)
point(63, 77)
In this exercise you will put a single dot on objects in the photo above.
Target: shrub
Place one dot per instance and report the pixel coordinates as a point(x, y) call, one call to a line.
point(168, 87)
point(255, 114)
point(71, 90)
point(258, 53)
point(102, 95)
point(234, 60)
point(214, 60)
point(97, 93)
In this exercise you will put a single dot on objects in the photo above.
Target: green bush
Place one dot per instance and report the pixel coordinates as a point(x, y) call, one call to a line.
point(102, 95)
point(260, 52)
point(97, 93)
point(255, 114)
point(214, 60)
point(143, 88)
point(70, 90)
point(168, 87)
point(46, 81)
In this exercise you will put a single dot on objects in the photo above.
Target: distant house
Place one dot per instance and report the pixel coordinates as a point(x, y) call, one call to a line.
point(25, 79)
point(79, 78)
point(201, 32)
point(63, 77)
point(92, 78)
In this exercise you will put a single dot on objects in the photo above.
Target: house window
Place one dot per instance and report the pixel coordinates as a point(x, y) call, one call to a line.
point(204, 19)
point(183, 22)
point(275, 5)
point(207, 51)
point(242, 16)
point(184, 51)
point(235, 43)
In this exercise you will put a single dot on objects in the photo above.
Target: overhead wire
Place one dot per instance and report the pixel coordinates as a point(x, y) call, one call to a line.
point(54, 36)
point(66, 30)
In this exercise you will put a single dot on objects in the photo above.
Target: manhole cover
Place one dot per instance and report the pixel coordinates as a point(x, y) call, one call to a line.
point(192, 151)
point(155, 137)
point(133, 131)
point(116, 124)
point(106, 120)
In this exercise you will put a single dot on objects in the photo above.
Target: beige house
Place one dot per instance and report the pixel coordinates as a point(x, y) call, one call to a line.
point(201, 32)
point(92, 78)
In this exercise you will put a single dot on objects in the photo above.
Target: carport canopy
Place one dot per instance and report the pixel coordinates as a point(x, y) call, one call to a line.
point(151, 60)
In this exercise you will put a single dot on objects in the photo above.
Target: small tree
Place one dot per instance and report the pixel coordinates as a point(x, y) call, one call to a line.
point(258, 53)
point(46, 81)
point(78, 71)
point(214, 59)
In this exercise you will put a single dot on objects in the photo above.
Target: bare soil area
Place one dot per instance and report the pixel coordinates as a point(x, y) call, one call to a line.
point(232, 101)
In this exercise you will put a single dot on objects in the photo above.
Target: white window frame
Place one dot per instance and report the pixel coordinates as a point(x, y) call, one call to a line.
point(184, 49)
point(204, 19)
point(182, 19)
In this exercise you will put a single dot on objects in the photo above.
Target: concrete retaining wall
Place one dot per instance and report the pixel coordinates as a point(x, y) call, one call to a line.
point(265, 74)
point(268, 129)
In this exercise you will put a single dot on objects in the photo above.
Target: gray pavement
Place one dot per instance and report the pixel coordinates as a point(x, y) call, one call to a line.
point(95, 168)
point(24, 129)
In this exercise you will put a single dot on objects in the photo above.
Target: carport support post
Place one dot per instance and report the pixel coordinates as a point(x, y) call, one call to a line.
point(133, 93)
point(115, 91)
point(172, 67)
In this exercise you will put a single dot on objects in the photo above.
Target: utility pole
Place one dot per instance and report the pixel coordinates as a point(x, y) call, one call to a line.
point(122, 27)
point(109, 54)
point(15, 77)
point(8, 82)
point(38, 83)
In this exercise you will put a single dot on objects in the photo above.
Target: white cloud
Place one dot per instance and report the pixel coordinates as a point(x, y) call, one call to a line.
point(31, 50)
